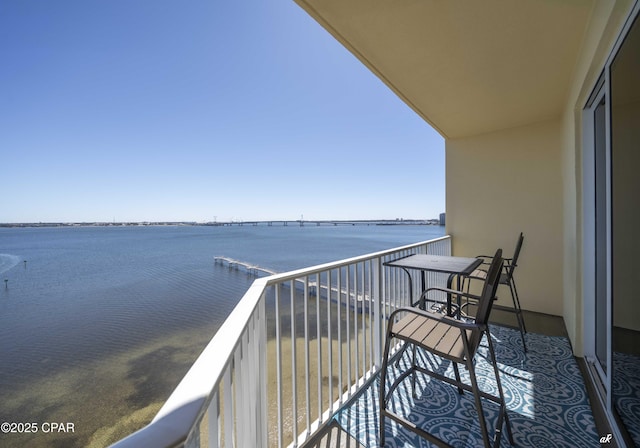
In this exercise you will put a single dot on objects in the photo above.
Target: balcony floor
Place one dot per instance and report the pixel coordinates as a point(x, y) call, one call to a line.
point(545, 393)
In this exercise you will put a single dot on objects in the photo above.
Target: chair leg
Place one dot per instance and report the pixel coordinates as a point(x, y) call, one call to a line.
point(383, 379)
point(476, 396)
point(517, 300)
point(457, 372)
point(413, 375)
point(383, 382)
point(518, 311)
point(503, 406)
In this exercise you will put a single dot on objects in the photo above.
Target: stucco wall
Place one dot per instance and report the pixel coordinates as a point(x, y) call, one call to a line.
point(504, 183)
point(604, 27)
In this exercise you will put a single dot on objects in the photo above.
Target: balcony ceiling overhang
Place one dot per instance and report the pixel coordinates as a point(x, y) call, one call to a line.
point(466, 67)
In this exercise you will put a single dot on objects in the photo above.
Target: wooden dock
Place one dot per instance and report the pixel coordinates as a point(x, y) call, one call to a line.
point(252, 269)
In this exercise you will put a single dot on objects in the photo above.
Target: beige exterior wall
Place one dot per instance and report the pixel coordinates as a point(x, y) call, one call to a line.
point(504, 183)
point(605, 25)
point(529, 179)
point(590, 64)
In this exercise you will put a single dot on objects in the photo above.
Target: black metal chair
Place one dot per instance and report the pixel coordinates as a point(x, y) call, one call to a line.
point(506, 278)
point(452, 339)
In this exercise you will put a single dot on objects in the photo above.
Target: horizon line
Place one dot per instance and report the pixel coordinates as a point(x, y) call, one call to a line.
point(231, 222)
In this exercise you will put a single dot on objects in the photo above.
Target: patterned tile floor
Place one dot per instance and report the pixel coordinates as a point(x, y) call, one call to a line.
point(626, 391)
point(544, 391)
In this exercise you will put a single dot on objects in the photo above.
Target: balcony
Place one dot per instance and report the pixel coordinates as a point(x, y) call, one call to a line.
point(296, 364)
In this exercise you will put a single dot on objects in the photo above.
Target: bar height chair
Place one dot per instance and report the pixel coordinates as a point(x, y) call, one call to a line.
point(506, 278)
point(452, 339)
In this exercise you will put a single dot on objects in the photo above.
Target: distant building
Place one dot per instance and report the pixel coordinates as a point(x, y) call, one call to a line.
point(442, 220)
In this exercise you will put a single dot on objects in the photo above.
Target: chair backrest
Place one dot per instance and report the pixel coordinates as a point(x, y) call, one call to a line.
point(516, 254)
point(487, 296)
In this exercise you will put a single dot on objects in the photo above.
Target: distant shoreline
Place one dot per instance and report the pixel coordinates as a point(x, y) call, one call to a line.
point(379, 222)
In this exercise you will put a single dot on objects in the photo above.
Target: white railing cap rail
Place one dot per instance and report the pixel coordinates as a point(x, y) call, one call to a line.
point(291, 275)
point(189, 401)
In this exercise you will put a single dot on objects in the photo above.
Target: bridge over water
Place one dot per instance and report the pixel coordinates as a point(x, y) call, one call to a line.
point(302, 223)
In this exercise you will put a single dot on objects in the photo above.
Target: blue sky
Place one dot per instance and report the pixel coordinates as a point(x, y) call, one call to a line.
point(169, 110)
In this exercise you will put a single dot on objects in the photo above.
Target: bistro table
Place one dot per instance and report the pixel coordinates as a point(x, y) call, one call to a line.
point(454, 266)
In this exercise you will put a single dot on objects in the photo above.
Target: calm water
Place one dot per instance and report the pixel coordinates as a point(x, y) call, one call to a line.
point(100, 323)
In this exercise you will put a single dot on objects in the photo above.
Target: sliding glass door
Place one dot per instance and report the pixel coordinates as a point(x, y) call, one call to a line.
point(612, 236)
point(625, 242)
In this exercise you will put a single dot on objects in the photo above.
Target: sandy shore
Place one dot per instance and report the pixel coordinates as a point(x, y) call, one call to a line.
point(107, 399)
point(111, 398)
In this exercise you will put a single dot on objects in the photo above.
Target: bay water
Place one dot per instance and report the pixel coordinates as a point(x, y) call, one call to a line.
point(99, 324)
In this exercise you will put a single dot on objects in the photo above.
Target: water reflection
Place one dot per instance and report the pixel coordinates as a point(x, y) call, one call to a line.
point(625, 160)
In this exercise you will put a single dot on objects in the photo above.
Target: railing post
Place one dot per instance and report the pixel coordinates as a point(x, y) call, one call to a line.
point(214, 422)
point(294, 362)
point(228, 407)
point(279, 368)
point(263, 428)
point(378, 304)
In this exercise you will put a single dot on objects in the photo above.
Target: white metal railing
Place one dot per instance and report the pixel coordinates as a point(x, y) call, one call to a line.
point(297, 346)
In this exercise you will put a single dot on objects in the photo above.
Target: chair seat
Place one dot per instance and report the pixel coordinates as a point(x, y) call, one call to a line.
point(433, 334)
point(481, 274)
